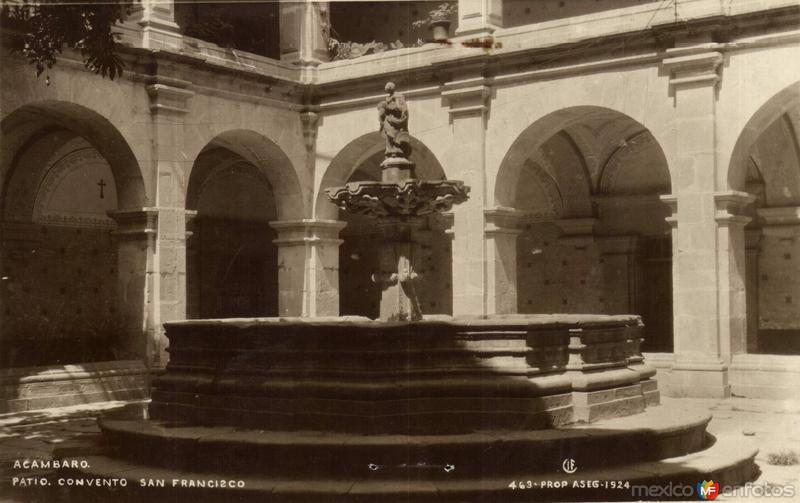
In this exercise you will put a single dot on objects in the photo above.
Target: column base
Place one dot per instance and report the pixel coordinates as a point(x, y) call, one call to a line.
point(699, 380)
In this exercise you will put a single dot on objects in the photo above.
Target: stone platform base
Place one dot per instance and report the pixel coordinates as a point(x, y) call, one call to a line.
point(32, 388)
point(348, 409)
point(624, 456)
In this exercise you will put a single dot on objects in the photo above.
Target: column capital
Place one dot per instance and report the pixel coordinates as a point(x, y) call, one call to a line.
point(502, 220)
point(730, 207)
point(692, 67)
point(307, 231)
point(190, 215)
point(135, 223)
point(468, 97)
point(671, 200)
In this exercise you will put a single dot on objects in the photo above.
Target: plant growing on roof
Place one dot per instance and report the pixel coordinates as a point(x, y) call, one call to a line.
point(443, 12)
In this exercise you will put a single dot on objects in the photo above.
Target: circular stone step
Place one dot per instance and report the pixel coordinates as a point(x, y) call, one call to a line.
point(655, 434)
point(727, 462)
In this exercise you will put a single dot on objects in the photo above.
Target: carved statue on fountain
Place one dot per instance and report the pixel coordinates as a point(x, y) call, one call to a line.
point(393, 118)
point(400, 202)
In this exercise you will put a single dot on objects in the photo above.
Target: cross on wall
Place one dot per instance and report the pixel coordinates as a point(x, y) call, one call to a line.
point(102, 185)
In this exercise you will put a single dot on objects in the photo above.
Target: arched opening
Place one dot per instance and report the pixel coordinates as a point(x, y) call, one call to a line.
point(585, 184)
point(239, 183)
point(358, 255)
point(64, 294)
point(766, 163)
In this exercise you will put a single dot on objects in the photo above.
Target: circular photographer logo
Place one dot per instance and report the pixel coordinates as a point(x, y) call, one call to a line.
point(569, 465)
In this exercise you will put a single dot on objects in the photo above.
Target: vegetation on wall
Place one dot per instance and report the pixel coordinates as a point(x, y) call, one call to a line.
point(41, 30)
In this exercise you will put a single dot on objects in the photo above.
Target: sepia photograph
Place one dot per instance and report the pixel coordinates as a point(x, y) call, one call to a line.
point(399, 251)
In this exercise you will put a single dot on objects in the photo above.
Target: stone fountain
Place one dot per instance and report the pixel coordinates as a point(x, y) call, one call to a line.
point(399, 203)
point(409, 407)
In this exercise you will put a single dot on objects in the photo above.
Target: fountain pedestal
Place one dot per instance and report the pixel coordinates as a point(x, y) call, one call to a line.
point(397, 275)
point(399, 203)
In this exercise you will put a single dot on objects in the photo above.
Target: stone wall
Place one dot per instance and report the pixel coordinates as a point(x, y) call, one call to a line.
point(60, 299)
point(555, 276)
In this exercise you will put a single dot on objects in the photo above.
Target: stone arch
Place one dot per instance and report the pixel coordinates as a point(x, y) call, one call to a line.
point(74, 291)
point(786, 103)
point(535, 136)
point(239, 183)
point(766, 163)
point(619, 174)
point(271, 163)
point(31, 122)
point(600, 172)
point(355, 154)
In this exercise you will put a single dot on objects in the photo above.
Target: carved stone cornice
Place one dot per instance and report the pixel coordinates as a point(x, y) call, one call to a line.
point(469, 97)
point(692, 69)
point(169, 95)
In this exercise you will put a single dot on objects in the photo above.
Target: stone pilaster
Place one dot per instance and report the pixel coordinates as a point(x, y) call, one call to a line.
point(468, 101)
point(170, 101)
point(501, 234)
point(138, 285)
point(304, 32)
point(752, 239)
point(731, 220)
point(619, 272)
point(701, 286)
point(479, 18)
point(308, 267)
point(157, 21)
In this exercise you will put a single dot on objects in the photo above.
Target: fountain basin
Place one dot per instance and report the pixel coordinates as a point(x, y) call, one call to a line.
point(434, 376)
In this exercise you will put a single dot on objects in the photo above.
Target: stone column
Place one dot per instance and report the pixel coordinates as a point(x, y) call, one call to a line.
point(157, 21)
point(468, 101)
point(479, 18)
point(308, 267)
point(170, 100)
point(137, 289)
point(752, 238)
point(619, 272)
point(501, 260)
point(706, 235)
point(304, 29)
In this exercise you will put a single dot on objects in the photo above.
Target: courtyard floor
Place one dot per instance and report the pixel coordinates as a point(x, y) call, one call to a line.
point(773, 425)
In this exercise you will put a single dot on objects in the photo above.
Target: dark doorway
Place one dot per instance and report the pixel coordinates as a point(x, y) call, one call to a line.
point(655, 293)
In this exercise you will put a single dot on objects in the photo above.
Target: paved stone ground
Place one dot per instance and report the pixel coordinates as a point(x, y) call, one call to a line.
point(775, 426)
